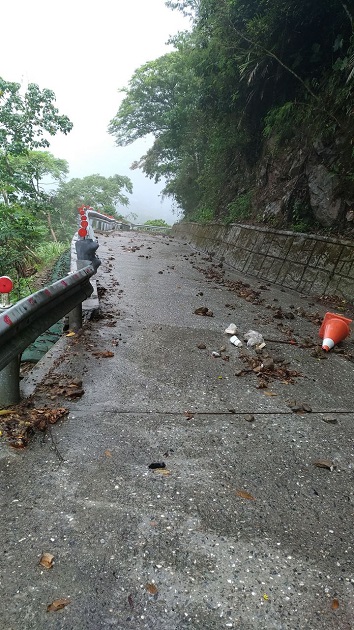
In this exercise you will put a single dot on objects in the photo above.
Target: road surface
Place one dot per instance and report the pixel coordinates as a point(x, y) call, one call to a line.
point(247, 521)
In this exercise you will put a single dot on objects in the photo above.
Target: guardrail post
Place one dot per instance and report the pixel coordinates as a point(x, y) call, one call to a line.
point(10, 383)
point(86, 255)
point(9, 375)
point(75, 316)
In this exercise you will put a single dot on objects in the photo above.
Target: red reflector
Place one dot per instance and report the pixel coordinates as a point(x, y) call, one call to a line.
point(6, 284)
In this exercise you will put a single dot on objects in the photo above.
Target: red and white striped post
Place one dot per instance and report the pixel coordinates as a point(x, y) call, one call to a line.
point(82, 231)
point(75, 316)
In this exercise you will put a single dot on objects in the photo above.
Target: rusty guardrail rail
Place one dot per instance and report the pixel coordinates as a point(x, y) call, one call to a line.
point(23, 322)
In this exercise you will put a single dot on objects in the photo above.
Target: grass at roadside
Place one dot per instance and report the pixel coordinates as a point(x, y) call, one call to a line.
point(45, 258)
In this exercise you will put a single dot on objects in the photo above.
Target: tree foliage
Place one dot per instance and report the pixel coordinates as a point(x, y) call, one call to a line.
point(248, 70)
point(157, 223)
point(104, 194)
point(28, 118)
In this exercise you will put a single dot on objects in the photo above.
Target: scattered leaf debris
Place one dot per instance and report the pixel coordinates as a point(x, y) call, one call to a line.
point(132, 249)
point(335, 603)
point(242, 289)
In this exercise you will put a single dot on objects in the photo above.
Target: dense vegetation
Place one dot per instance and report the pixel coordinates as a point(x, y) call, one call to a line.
point(258, 92)
point(32, 216)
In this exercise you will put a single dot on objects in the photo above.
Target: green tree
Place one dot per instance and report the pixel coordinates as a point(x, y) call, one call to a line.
point(157, 222)
point(28, 184)
point(162, 99)
point(249, 69)
point(26, 120)
point(20, 232)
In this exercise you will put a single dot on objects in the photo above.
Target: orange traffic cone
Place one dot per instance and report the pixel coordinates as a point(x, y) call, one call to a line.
point(334, 329)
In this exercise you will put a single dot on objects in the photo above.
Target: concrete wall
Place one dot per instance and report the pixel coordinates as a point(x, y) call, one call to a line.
point(313, 265)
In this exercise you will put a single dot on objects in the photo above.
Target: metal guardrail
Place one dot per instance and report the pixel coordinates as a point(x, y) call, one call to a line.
point(23, 322)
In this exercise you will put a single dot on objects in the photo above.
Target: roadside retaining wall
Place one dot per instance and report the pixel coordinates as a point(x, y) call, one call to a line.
point(311, 264)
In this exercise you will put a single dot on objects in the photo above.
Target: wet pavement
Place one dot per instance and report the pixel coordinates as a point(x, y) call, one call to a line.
point(247, 522)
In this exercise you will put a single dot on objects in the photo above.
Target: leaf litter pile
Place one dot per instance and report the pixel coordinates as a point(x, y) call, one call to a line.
point(56, 386)
point(267, 369)
point(242, 289)
point(21, 421)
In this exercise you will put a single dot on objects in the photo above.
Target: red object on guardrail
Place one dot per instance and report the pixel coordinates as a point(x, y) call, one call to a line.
point(83, 221)
point(6, 284)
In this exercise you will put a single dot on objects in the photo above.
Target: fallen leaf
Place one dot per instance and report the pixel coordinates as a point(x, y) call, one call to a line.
point(104, 354)
point(76, 393)
point(108, 453)
point(245, 495)
point(57, 604)
point(335, 604)
point(268, 393)
point(330, 420)
point(162, 471)
point(202, 310)
point(46, 560)
point(131, 602)
point(6, 412)
point(324, 463)
point(151, 588)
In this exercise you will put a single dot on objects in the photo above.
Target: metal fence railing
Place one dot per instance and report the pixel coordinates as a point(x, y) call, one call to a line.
point(23, 322)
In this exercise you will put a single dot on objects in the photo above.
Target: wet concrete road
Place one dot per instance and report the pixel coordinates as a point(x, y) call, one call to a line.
point(240, 529)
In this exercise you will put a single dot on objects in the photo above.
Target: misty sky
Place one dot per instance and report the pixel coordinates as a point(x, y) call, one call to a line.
point(85, 52)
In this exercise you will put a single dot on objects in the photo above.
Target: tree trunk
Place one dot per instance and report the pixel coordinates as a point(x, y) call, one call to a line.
point(49, 220)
